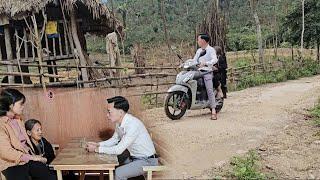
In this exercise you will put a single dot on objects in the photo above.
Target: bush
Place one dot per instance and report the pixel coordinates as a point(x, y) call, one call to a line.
point(246, 167)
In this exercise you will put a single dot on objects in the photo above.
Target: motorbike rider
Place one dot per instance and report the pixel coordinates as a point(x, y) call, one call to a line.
point(206, 63)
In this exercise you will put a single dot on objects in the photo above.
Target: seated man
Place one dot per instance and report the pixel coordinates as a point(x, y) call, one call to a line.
point(131, 134)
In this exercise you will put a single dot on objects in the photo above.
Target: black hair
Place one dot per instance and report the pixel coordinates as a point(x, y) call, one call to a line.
point(218, 50)
point(119, 103)
point(5, 103)
point(14, 94)
point(205, 37)
point(30, 124)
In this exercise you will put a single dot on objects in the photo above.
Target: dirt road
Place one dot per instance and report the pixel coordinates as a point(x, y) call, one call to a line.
point(197, 144)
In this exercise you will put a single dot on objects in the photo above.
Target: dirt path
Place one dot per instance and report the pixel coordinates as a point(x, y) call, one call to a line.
point(198, 144)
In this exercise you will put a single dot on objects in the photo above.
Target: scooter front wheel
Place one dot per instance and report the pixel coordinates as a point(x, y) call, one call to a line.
point(176, 105)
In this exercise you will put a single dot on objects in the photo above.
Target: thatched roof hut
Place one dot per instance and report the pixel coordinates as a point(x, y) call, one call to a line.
point(69, 20)
point(93, 10)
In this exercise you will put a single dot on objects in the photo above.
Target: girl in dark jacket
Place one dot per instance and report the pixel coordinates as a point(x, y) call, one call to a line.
point(40, 145)
point(222, 70)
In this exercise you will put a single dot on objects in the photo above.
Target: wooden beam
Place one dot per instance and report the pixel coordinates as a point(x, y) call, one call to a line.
point(76, 40)
point(7, 39)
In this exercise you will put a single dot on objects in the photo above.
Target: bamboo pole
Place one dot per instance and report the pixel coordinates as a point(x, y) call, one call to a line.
point(39, 49)
point(60, 45)
point(25, 37)
point(7, 39)
point(76, 40)
point(30, 74)
point(1, 53)
point(18, 55)
point(96, 67)
point(65, 38)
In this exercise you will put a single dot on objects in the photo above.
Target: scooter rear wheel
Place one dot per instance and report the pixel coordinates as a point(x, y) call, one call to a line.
point(176, 105)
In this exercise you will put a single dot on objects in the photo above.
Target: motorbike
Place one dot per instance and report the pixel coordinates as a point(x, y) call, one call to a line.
point(189, 91)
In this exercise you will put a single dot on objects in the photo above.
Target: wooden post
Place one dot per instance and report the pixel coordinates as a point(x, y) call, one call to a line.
point(7, 39)
point(26, 50)
point(54, 48)
point(53, 62)
point(65, 35)
point(18, 55)
point(84, 71)
point(50, 69)
point(113, 51)
point(32, 49)
point(60, 45)
point(1, 53)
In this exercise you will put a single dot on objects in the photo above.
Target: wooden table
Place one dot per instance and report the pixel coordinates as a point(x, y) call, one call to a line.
point(74, 157)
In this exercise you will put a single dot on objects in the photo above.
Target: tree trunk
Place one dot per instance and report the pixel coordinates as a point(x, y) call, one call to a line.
point(318, 56)
point(7, 39)
point(113, 51)
point(258, 29)
point(138, 58)
point(76, 40)
point(302, 33)
point(164, 20)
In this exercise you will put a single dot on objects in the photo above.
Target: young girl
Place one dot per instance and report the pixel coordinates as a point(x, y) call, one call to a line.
point(17, 160)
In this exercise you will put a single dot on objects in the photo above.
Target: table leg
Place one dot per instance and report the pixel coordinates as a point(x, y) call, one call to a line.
point(149, 175)
point(82, 175)
point(101, 177)
point(111, 176)
point(59, 175)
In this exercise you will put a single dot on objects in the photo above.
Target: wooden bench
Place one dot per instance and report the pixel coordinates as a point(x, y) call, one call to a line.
point(151, 169)
point(161, 166)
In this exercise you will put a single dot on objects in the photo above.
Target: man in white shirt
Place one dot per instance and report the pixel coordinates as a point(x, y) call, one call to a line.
point(131, 134)
point(206, 63)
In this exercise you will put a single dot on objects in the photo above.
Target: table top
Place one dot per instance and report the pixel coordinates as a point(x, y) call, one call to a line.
point(75, 157)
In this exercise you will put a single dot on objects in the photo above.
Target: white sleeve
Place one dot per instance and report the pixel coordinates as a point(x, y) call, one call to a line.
point(213, 58)
point(125, 142)
point(110, 142)
point(196, 56)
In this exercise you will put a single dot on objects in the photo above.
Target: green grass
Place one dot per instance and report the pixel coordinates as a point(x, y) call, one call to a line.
point(246, 167)
point(315, 113)
point(289, 72)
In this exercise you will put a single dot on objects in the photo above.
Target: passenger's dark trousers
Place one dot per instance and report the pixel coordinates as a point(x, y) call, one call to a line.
point(33, 169)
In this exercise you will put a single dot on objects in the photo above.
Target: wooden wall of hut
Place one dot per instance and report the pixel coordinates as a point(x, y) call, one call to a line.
point(73, 113)
point(55, 47)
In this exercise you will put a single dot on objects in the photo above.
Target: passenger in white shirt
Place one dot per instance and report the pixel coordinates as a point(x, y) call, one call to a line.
point(130, 134)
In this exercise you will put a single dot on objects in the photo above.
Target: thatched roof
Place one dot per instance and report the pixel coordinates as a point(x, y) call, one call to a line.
point(12, 8)
point(19, 8)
